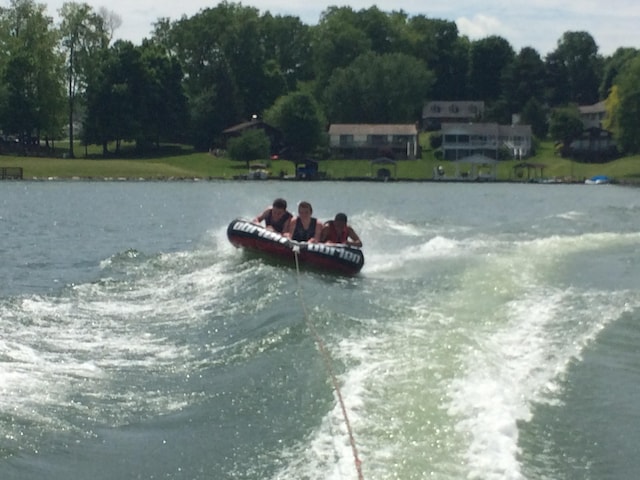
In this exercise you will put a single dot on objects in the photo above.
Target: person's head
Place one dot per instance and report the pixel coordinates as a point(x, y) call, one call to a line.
point(280, 203)
point(340, 220)
point(304, 208)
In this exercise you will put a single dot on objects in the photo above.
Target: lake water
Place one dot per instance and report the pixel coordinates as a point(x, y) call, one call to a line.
point(493, 333)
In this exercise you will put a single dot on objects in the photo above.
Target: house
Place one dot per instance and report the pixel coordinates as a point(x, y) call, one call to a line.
point(594, 145)
point(461, 140)
point(370, 141)
point(435, 113)
point(275, 136)
point(593, 115)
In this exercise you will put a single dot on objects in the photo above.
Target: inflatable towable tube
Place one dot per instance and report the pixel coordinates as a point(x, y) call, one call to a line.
point(342, 259)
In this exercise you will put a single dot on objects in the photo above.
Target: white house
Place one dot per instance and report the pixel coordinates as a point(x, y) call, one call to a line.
point(461, 140)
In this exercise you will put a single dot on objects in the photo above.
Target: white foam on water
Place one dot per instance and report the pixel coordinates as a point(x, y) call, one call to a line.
point(67, 358)
point(531, 340)
point(437, 385)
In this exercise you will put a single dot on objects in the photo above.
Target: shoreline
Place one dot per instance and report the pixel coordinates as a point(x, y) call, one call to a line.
point(624, 182)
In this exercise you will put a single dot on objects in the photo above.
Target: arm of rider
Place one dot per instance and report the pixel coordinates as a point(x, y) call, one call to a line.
point(355, 242)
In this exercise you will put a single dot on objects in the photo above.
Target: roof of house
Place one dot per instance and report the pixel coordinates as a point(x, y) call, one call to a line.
point(240, 127)
point(599, 107)
point(373, 129)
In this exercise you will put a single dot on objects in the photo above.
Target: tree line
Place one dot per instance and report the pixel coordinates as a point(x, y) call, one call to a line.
point(195, 76)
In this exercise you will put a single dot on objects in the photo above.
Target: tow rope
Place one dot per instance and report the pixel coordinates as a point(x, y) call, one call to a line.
point(328, 364)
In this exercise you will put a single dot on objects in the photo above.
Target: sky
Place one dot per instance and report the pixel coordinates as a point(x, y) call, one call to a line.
point(524, 23)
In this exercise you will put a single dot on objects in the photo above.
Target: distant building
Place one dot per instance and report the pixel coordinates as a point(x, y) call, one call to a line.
point(399, 141)
point(460, 140)
point(274, 135)
point(593, 115)
point(435, 113)
point(594, 145)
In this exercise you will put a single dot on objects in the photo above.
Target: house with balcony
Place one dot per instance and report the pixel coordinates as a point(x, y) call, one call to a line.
point(461, 140)
point(435, 113)
point(397, 141)
point(592, 115)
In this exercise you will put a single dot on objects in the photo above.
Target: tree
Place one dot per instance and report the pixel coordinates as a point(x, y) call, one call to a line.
point(165, 111)
point(32, 92)
point(565, 125)
point(534, 114)
point(287, 43)
point(578, 58)
point(524, 79)
point(613, 65)
point(488, 60)
point(378, 89)
point(226, 73)
point(337, 41)
point(300, 120)
point(84, 39)
point(253, 144)
point(437, 43)
point(628, 108)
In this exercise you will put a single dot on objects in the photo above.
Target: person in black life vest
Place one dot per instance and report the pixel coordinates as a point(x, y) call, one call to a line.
point(304, 227)
point(337, 231)
point(276, 217)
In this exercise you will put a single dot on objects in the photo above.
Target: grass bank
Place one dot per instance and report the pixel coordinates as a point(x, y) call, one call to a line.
point(183, 163)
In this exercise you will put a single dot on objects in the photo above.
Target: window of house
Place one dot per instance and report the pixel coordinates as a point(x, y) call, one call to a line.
point(435, 109)
point(377, 139)
point(346, 140)
point(454, 109)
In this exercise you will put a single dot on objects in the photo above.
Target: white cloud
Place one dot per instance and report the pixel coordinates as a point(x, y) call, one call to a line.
point(479, 26)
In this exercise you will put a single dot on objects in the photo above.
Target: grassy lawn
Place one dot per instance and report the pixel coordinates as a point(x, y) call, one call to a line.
point(179, 162)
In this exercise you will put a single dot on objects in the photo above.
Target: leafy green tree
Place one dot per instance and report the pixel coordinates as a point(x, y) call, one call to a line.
point(299, 118)
point(32, 92)
point(534, 114)
point(524, 79)
point(137, 96)
point(84, 39)
point(613, 65)
point(578, 59)
point(253, 144)
point(628, 108)
point(438, 44)
point(612, 106)
point(565, 125)
point(165, 112)
point(112, 100)
point(337, 41)
point(287, 45)
point(557, 88)
point(488, 59)
point(372, 90)
point(227, 71)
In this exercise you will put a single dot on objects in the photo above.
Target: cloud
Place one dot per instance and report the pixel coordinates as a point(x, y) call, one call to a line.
point(479, 26)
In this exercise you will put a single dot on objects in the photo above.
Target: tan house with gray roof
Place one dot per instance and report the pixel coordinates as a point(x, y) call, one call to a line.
point(349, 140)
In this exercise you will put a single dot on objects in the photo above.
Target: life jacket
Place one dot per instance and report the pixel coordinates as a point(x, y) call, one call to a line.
point(333, 236)
point(279, 225)
point(303, 235)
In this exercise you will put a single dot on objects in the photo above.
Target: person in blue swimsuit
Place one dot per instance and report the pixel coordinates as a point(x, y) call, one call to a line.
point(276, 218)
point(304, 227)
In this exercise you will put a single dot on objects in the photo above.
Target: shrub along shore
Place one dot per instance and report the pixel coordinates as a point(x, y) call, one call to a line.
point(184, 164)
